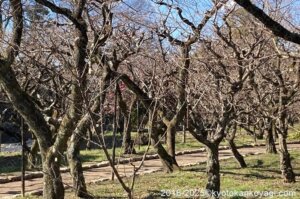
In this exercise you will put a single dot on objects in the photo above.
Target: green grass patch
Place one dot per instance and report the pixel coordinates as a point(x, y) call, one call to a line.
point(262, 175)
point(294, 133)
point(12, 162)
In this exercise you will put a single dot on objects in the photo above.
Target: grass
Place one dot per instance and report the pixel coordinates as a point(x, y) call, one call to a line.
point(262, 175)
point(12, 161)
point(97, 155)
point(294, 133)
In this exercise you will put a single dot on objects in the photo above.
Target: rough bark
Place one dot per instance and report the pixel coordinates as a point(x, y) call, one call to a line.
point(213, 171)
point(72, 116)
point(171, 140)
point(22, 102)
point(285, 160)
point(236, 154)
point(169, 163)
point(282, 129)
point(89, 137)
point(230, 135)
point(181, 103)
point(73, 155)
point(270, 142)
point(82, 127)
point(32, 155)
point(127, 144)
point(271, 24)
point(53, 186)
point(126, 112)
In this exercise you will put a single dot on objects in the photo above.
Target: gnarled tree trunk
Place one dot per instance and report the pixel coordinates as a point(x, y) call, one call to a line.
point(127, 142)
point(166, 159)
point(285, 160)
point(82, 127)
point(168, 162)
point(32, 155)
point(73, 155)
point(269, 137)
point(126, 112)
point(270, 142)
point(89, 137)
point(234, 150)
point(236, 154)
point(213, 171)
point(53, 185)
point(171, 140)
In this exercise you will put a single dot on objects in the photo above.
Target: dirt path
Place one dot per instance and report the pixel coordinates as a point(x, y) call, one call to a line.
point(11, 189)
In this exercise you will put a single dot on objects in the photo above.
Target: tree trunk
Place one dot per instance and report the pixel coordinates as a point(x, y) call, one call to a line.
point(53, 185)
point(169, 163)
point(0, 130)
point(73, 152)
point(127, 142)
point(213, 171)
point(236, 154)
point(81, 129)
point(170, 141)
point(126, 112)
point(90, 137)
point(270, 143)
point(183, 134)
point(32, 155)
point(285, 160)
point(73, 155)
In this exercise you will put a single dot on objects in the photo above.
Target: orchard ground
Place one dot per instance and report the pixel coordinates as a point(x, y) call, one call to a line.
point(262, 179)
point(97, 155)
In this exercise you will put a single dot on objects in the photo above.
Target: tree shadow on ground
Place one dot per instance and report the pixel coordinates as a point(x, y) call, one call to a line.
point(194, 169)
point(259, 176)
point(276, 171)
point(154, 194)
point(238, 197)
point(258, 164)
point(108, 197)
point(249, 175)
point(257, 167)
